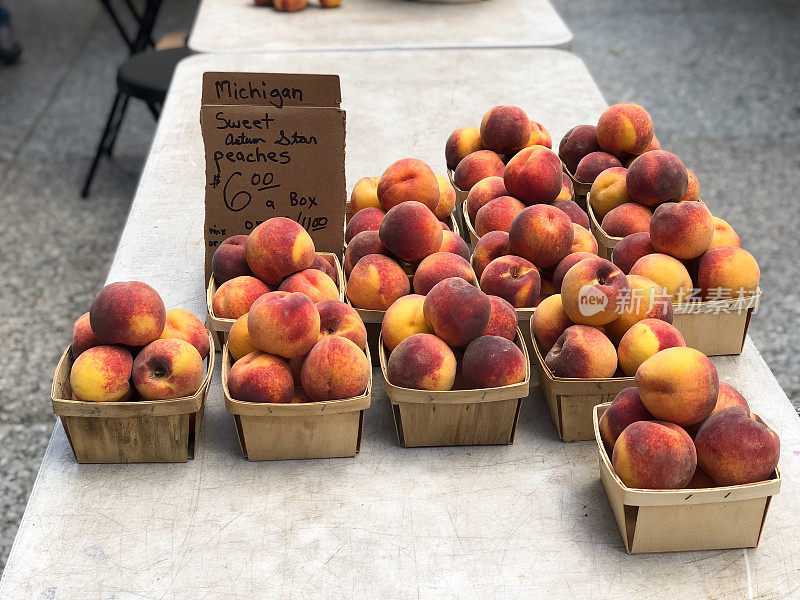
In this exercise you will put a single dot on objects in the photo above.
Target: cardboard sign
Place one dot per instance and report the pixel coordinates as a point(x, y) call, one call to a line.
point(274, 146)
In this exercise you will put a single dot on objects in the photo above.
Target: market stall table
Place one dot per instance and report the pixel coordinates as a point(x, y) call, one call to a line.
point(223, 26)
point(524, 521)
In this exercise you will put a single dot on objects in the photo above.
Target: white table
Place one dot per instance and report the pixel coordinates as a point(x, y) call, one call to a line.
point(525, 521)
point(223, 26)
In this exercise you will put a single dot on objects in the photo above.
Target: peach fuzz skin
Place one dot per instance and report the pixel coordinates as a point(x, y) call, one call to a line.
point(83, 337)
point(184, 325)
point(534, 175)
point(277, 248)
point(462, 142)
point(643, 340)
point(239, 343)
point(668, 272)
point(578, 142)
point(497, 215)
point(724, 235)
point(477, 166)
point(313, 283)
point(363, 244)
point(338, 318)
point(626, 408)
point(235, 297)
point(457, 311)
point(608, 191)
point(505, 129)
point(630, 249)
point(230, 259)
point(625, 129)
point(167, 368)
point(285, 324)
point(261, 377)
point(626, 219)
point(365, 194)
point(130, 313)
point(683, 229)
point(493, 245)
point(593, 279)
point(727, 272)
point(679, 385)
point(438, 267)
point(367, 219)
point(654, 455)
point(502, 320)
point(549, 321)
point(335, 369)
point(656, 177)
point(403, 319)
point(102, 374)
point(454, 244)
point(408, 179)
point(411, 231)
point(582, 352)
point(492, 361)
point(541, 234)
point(376, 282)
point(647, 300)
point(422, 362)
point(447, 198)
point(565, 265)
point(512, 278)
point(482, 193)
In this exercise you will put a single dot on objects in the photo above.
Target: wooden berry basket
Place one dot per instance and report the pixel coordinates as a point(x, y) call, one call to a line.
point(473, 235)
point(580, 188)
point(605, 243)
point(267, 431)
point(571, 400)
point(479, 417)
point(221, 326)
point(142, 431)
point(461, 206)
point(691, 519)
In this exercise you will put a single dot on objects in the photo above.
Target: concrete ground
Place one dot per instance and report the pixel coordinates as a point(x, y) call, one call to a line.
point(721, 79)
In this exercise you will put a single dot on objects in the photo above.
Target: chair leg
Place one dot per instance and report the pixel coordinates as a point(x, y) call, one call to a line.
point(101, 145)
point(116, 127)
point(155, 109)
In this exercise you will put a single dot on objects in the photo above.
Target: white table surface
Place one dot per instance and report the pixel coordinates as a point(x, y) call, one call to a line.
point(223, 26)
point(524, 521)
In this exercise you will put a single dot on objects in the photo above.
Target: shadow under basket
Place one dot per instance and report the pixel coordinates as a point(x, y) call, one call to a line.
point(266, 431)
point(571, 401)
point(221, 326)
point(138, 431)
point(479, 417)
point(691, 519)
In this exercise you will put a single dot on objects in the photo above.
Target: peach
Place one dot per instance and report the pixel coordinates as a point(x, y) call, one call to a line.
point(363, 244)
point(492, 361)
point(492, 245)
point(502, 320)
point(505, 129)
point(411, 231)
point(729, 396)
point(313, 283)
point(422, 362)
point(592, 165)
point(457, 311)
point(735, 447)
point(277, 248)
point(376, 282)
point(239, 343)
point(129, 313)
point(338, 318)
point(83, 337)
point(573, 211)
point(367, 219)
point(335, 369)
point(365, 194)
point(626, 219)
point(577, 143)
point(654, 455)
point(630, 249)
point(724, 235)
point(582, 352)
point(497, 215)
point(547, 289)
point(184, 325)
point(643, 340)
point(447, 198)
point(403, 319)
point(102, 374)
point(565, 265)
point(626, 408)
point(625, 129)
point(668, 272)
point(678, 385)
point(453, 244)
point(681, 229)
point(692, 188)
point(462, 142)
point(700, 480)
point(261, 377)
point(541, 234)
point(654, 145)
point(609, 191)
point(656, 177)
point(167, 368)
point(514, 279)
point(583, 240)
point(482, 192)
point(539, 136)
point(477, 166)
point(724, 272)
point(438, 267)
point(235, 297)
point(567, 189)
point(289, 5)
point(284, 323)
point(230, 259)
point(646, 300)
point(408, 179)
point(549, 321)
point(534, 175)
point(592, 290)
point(321, 264)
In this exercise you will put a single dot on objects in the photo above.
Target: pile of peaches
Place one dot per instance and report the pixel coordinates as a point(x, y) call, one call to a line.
point(278, 255)
point(129, 347)
point(295, 5)
point(455, 337)
point(398, 226)
point(681, 428)
point(296, 343)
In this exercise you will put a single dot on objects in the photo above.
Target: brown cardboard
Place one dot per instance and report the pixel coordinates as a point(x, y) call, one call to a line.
point(273, 153)
point(129, 432)
point(690, 519)
point(330, 429)
point(457, 417)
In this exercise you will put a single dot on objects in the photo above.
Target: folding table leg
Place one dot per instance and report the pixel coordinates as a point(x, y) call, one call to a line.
point(103, 143)
point(116, 127)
